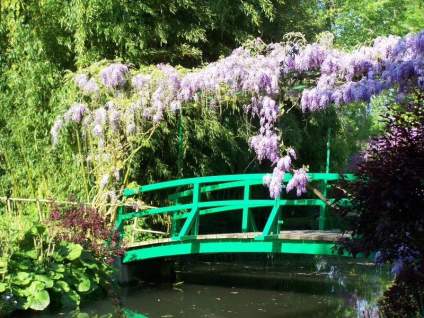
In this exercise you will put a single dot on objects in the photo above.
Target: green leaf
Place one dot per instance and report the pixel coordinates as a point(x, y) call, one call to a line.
point(58, 268)
point(3, 287)
point(57, 257)
point(74, 251)
point(39, 300)
point(70, 299)
point(32, 254)
point(35, 287)
point(61, 285)
point(21, 279)
point(55, 275)
point(84, 285)
point(46, 280)
point(38, 229)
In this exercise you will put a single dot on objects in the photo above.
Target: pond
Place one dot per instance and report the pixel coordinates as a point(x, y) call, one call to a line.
point(256, 286)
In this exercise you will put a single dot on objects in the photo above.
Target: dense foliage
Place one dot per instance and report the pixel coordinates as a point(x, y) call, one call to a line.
point(46, 272)
point(389, 194)
point(355, 22)
point(114, 105)
point(41, 40)
point(123, 120)
point(388, 200)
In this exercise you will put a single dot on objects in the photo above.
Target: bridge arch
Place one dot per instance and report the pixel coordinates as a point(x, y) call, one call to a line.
point(186, 209)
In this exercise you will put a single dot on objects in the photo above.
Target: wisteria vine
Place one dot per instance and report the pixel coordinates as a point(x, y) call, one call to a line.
point(339, 77)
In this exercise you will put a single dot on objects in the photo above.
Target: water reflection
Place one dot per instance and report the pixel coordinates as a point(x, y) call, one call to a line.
point(293, 287)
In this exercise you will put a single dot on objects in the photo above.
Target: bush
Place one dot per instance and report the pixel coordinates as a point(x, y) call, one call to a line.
point(388, 201)
point(46, 272)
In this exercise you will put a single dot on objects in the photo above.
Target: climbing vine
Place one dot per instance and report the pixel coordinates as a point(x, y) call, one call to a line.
point(117, 105)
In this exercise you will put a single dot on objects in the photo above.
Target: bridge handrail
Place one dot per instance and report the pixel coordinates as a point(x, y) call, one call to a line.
point(254, 179)
point(197, 207)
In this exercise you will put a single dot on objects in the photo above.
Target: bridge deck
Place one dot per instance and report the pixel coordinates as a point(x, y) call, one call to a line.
point(296, 235)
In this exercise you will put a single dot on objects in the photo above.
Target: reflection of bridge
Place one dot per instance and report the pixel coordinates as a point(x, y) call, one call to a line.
point(259, 231)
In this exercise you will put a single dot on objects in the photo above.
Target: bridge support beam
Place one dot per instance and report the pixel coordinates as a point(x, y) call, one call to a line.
point(246, 213)
point(271, 224)
point(229, 246)
point(193, 218)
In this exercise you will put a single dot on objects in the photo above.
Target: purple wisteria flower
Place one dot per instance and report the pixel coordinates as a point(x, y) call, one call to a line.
point(114, 75)
point(55, 131)
point(338, 78)
point(114, 117)
point(265, 146)
point(275, 185)
point(298, 181)
point(75, 113)
point(140, 82)
point(86, 85)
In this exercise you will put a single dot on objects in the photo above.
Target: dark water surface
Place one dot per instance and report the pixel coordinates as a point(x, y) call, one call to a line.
point(297, 287)
point(191, 300)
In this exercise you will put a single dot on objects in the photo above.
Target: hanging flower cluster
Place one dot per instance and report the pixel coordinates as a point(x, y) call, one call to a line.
point(367, 71)
point(340, 78)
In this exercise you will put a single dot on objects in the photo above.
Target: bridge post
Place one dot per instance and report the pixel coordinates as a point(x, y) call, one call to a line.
point(119, 223)
point(192, 219)
point(271, 223)
point(246, 213)
point(323, 211)
point(174, 223)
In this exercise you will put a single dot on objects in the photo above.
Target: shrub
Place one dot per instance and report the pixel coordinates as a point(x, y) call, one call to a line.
point(388, 201)
point(46, 272)
point(89, 228)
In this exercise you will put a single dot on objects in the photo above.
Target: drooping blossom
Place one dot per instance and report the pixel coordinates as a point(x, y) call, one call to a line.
point(55, 131)
point(75, 113)
point(114, 75)
point(86, 85)
point(337, 77)
point(298, 182)
point(265, 146)
point(275, 181)
point(140, 81)
point(114, 117)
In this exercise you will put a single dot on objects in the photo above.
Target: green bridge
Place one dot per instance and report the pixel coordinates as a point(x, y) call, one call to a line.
point(242, 197)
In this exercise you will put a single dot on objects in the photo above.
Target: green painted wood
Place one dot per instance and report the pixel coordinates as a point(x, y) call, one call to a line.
point(184, 241)
point(257, 178)
point(163, 210)
point(132, 314)
point(253, 204)
point(212, 188)
point(323, 210)
point(174, 224)
point(119, 222)
point(194, 214)
point(270, 224)
point(245, 215)
point(232, 246)
point(234, 205)
point(221, 206)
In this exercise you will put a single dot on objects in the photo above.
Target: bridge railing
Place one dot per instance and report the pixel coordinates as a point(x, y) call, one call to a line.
point(190, 211)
